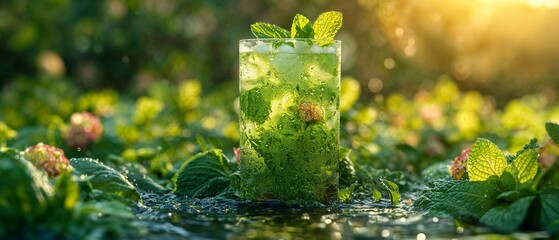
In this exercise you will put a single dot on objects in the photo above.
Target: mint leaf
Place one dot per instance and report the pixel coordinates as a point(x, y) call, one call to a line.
point(485, 160)
point(301, 27)
point(138, 176)
point(345, 194)
point(393, 191)
point(327, 25)
point(104, 178)
point(553, 131)
point(266, 30)
point(463, 200)
point(527, 164)
point(376, 195)
point(508, 218)
point(512, 196)
point(545, 209)
point(204, 175)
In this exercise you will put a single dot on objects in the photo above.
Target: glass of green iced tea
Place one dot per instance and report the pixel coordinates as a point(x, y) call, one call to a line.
point(289, 119)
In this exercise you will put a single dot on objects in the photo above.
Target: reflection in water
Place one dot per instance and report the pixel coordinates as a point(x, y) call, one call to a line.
point(174, 217)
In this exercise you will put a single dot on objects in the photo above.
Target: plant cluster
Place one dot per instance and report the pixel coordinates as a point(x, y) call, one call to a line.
point(504, 192)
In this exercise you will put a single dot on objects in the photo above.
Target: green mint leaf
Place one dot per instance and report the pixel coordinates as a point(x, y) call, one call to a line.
point(138, 176)
point(346, 168)
point(23, 187)
point(463, 200)
point(377, 195)
point(393, 191)
point(526, 163)
point(344, 195)
point(545, 209)
point(301, 27)
point(256, 106)
point(485, 160)
point(105, 178)
point(553, 131)
point(511, 196)
point(204, 175)
point(327, 25)
point(508, 218)
point(266, 30)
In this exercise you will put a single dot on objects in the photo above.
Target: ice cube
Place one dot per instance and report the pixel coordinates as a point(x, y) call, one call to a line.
point(286, 48)
point(262, 48)
point(252, 68)
point(318, 73)
point(288, 66)
point(280, 105)
point(326, 49)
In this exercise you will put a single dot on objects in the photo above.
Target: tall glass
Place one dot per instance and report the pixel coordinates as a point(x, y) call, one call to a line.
point(289, 119)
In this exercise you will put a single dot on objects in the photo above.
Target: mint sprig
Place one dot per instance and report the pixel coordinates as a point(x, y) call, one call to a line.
point(327, 25)
point(266, 30)
point(504, 196)
point(485, 160)
point(324, 28)
point(301, 27)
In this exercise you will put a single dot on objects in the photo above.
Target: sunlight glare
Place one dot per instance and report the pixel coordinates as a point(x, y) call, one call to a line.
point(531, 3)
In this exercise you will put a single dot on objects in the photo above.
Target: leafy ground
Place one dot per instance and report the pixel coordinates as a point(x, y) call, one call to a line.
point(131, 166)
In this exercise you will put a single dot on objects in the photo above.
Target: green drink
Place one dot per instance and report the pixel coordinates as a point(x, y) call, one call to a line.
point(289, 119)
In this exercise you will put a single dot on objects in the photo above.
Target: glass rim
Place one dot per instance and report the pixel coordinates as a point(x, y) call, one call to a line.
point(287, 40)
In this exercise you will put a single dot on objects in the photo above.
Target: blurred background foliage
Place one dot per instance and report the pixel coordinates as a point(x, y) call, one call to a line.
point(421, 79)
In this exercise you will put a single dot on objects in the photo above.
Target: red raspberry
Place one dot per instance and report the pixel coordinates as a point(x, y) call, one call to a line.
point(459, 164)
point(84, 128)
point(310, 112)
point(47, 158)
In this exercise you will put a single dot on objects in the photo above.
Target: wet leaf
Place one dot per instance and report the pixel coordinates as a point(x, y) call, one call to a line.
point(485, 160)
point(553, 131)
point(508, 218)
point(105, 178)
point(527, 164)
point(204, 175)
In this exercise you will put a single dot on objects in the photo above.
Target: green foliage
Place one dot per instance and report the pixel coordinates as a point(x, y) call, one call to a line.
point(327, 25)
point(324, 28)
point(301, 27)
point(137, 174)
point(34, 208)
point(553, 131)
point(485, 160)
point(463, 200)
point(104, 178)
point(508, 218)
point(526, 163)
point(499, 196)
point(206, 174)
point(393, 191)
point(545, 210)
point(344, 195)
point(266, 30)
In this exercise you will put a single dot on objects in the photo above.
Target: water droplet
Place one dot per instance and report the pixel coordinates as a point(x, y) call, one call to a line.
point(385, 233)
point(435, 219)
point(459, 230)
point(421, 236)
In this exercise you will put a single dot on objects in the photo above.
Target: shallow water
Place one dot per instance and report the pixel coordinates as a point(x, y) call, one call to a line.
point(172, 217)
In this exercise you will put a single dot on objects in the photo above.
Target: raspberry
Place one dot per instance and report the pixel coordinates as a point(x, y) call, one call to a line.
point(48, 158)
point(310, 112)
point(237, 152)
point(459, 164)
point(84, 128)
